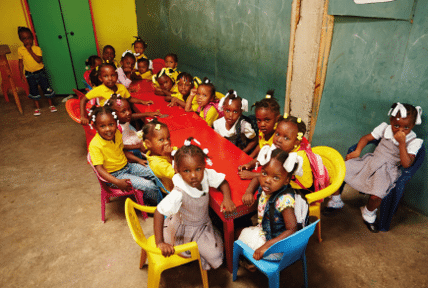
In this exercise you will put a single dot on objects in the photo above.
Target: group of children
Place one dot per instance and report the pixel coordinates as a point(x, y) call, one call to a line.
point(129, 158)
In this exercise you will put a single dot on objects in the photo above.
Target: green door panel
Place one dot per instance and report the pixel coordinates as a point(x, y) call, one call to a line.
point(49, 27)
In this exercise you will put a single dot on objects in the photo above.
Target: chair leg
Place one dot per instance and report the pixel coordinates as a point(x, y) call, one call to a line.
point(103, 208)
point(204, 275)
point(237, 251)
point(274, 280)
point(305, 271)
point(318, 229)
point(143, 258)
point(153, 277)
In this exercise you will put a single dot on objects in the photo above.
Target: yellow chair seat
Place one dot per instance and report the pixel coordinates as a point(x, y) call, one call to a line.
point(156, 262)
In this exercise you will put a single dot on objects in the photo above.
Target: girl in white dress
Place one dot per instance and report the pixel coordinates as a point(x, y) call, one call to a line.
point(186, 208)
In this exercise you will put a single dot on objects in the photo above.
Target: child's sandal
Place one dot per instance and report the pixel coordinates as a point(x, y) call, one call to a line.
point(37, 112)
point(248, 265)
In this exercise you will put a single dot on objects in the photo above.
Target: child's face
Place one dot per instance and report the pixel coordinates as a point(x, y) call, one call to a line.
point(26, 38)
point(399, 124)
point(285, 136)
point(108, 76)
point(106, 126)
point(192, 170)
point(266, 120)
point(273, 177)
point(170, 63)
point(97, 62)
point(232, 111)
point(165, 82)
point(204, 95)
point(108, 55)
point(159, 143)
point(123, 111)
point(139, 48)
point(143, 67)
point(184, 86)
point(128, 64)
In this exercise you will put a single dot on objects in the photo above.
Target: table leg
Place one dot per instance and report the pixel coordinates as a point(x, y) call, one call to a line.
point(5, 65)
point(228, 228)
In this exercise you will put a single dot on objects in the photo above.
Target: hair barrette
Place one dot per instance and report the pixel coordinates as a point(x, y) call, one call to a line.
point(285, 115)
point(140, 134)
point(187, 142)
point(119, 102)
point(173, 153)
point(114, 114)
point(299, 136)
point(207, 81)
point(205, 150)
point(209, 162)
point(244, 105)
point(126, 52)
point(299, 120)
point(158, 127)
point(268, 96)
point(97, 68)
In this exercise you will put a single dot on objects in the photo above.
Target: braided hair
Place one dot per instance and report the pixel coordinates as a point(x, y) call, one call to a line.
point(150, 127)
point(190, 151)
point(269, 102)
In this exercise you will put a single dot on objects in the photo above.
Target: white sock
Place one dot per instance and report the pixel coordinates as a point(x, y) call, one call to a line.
point(336, 198)
point(368, 216)
point(335, 202)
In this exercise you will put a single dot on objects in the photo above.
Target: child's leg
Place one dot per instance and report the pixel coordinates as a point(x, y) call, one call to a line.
point(142, 179)
point(34, 91)
point(369, 213)
point(46, 88)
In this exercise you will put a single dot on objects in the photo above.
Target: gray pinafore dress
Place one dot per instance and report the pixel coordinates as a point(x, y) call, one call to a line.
point(192, 223)
point(375, 173)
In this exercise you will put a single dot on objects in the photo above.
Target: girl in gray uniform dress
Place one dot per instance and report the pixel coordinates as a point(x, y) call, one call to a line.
point(186, 208)
point(376, 173)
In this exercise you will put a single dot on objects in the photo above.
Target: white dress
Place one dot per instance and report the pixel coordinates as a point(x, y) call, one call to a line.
point(246, 130)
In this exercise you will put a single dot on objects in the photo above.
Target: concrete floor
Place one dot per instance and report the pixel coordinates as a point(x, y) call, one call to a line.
point(52, 234)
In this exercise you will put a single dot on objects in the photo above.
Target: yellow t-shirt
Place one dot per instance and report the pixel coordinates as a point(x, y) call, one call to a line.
point(30, 64)
point(140, 56)
point(108, 153)
point(263, 141)
point(195, 105)
point(105, 93)
point(162, 168)
point(146, 75)
point(307, 179)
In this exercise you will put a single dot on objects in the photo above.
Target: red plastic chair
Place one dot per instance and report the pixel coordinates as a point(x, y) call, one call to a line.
point(107, 192)
point(73, 109)
point(158, 64)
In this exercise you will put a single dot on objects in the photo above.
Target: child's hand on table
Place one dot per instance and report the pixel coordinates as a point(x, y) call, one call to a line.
point(167, 249)
point(248, 199)
point(246, 175)
point(227, 206)
point(154, 114)
point(173, 102)
point(146, 102)
point(124, 184)
point(84, 120)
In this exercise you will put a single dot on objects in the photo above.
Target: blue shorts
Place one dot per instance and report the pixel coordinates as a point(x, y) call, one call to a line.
point(39, 78)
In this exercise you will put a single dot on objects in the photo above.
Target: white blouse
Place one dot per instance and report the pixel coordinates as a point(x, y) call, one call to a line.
point(172, 202)
point(220, 128)
point(385, 131)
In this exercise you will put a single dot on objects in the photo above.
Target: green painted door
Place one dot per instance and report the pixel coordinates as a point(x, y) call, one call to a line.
point(65, 33)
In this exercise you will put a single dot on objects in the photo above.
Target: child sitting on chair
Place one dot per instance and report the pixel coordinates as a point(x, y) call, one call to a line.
point(281, 210)
point(171, 62)
point(376, 173)
point(163, 84)
point(91, 63)
point(109, 53)
point(126, 68)
point(143, 72)
point(111, 162)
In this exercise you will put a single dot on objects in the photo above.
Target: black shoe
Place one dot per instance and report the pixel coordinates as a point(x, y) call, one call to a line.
point(329, 211)
point(372, 226)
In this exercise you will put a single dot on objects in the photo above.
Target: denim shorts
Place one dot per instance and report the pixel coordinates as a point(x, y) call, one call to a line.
point(39, 78)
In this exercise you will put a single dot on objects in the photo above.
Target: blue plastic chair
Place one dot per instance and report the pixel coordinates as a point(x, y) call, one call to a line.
point(293, 247)
point(390, 202)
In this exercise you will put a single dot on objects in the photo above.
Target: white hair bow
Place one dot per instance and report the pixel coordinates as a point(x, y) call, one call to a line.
point(244, 106)
point(127, 51)
point(398, 108)
point(265, 155)
point(418, 117)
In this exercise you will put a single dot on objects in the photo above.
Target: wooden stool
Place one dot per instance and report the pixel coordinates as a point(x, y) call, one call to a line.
point(5, 69)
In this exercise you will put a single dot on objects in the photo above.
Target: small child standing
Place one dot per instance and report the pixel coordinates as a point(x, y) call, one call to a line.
point(376, 173)
point(208, 104)
point(108, 76)
point(290, 210)
point(109, 53)
point(186, 208)
point(234, 126)
point(111, 162)
point(30, 60)
point(127, 63)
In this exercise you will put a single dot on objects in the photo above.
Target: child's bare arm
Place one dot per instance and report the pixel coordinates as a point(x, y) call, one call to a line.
point(251, 145)
point(227, 206)
point(177, 102)
point(122, 184)
point(21, 70)
point(139, 101)
point(406, 159)
point(36, 58)
point(136, 116)
point(134, 159)
point(290, 226)
point(167, 249)
point(83, 118)
point(188, 107)
point(256, 150)
point(361, 144)
point(248, 197)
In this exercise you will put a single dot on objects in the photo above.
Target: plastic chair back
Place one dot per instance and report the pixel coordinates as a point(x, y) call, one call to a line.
point(389, 204)
point(292, 247)
point(158, 64)
point(107, 191)
point(158, 263)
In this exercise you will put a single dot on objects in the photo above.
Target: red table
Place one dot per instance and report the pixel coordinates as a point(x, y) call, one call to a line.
point(225, 156)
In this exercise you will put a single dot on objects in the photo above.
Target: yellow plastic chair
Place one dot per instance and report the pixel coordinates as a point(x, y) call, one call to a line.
point(335, 165)
point(157, 262)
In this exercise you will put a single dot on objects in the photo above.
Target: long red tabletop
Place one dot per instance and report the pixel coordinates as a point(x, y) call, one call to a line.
point(225, 156)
